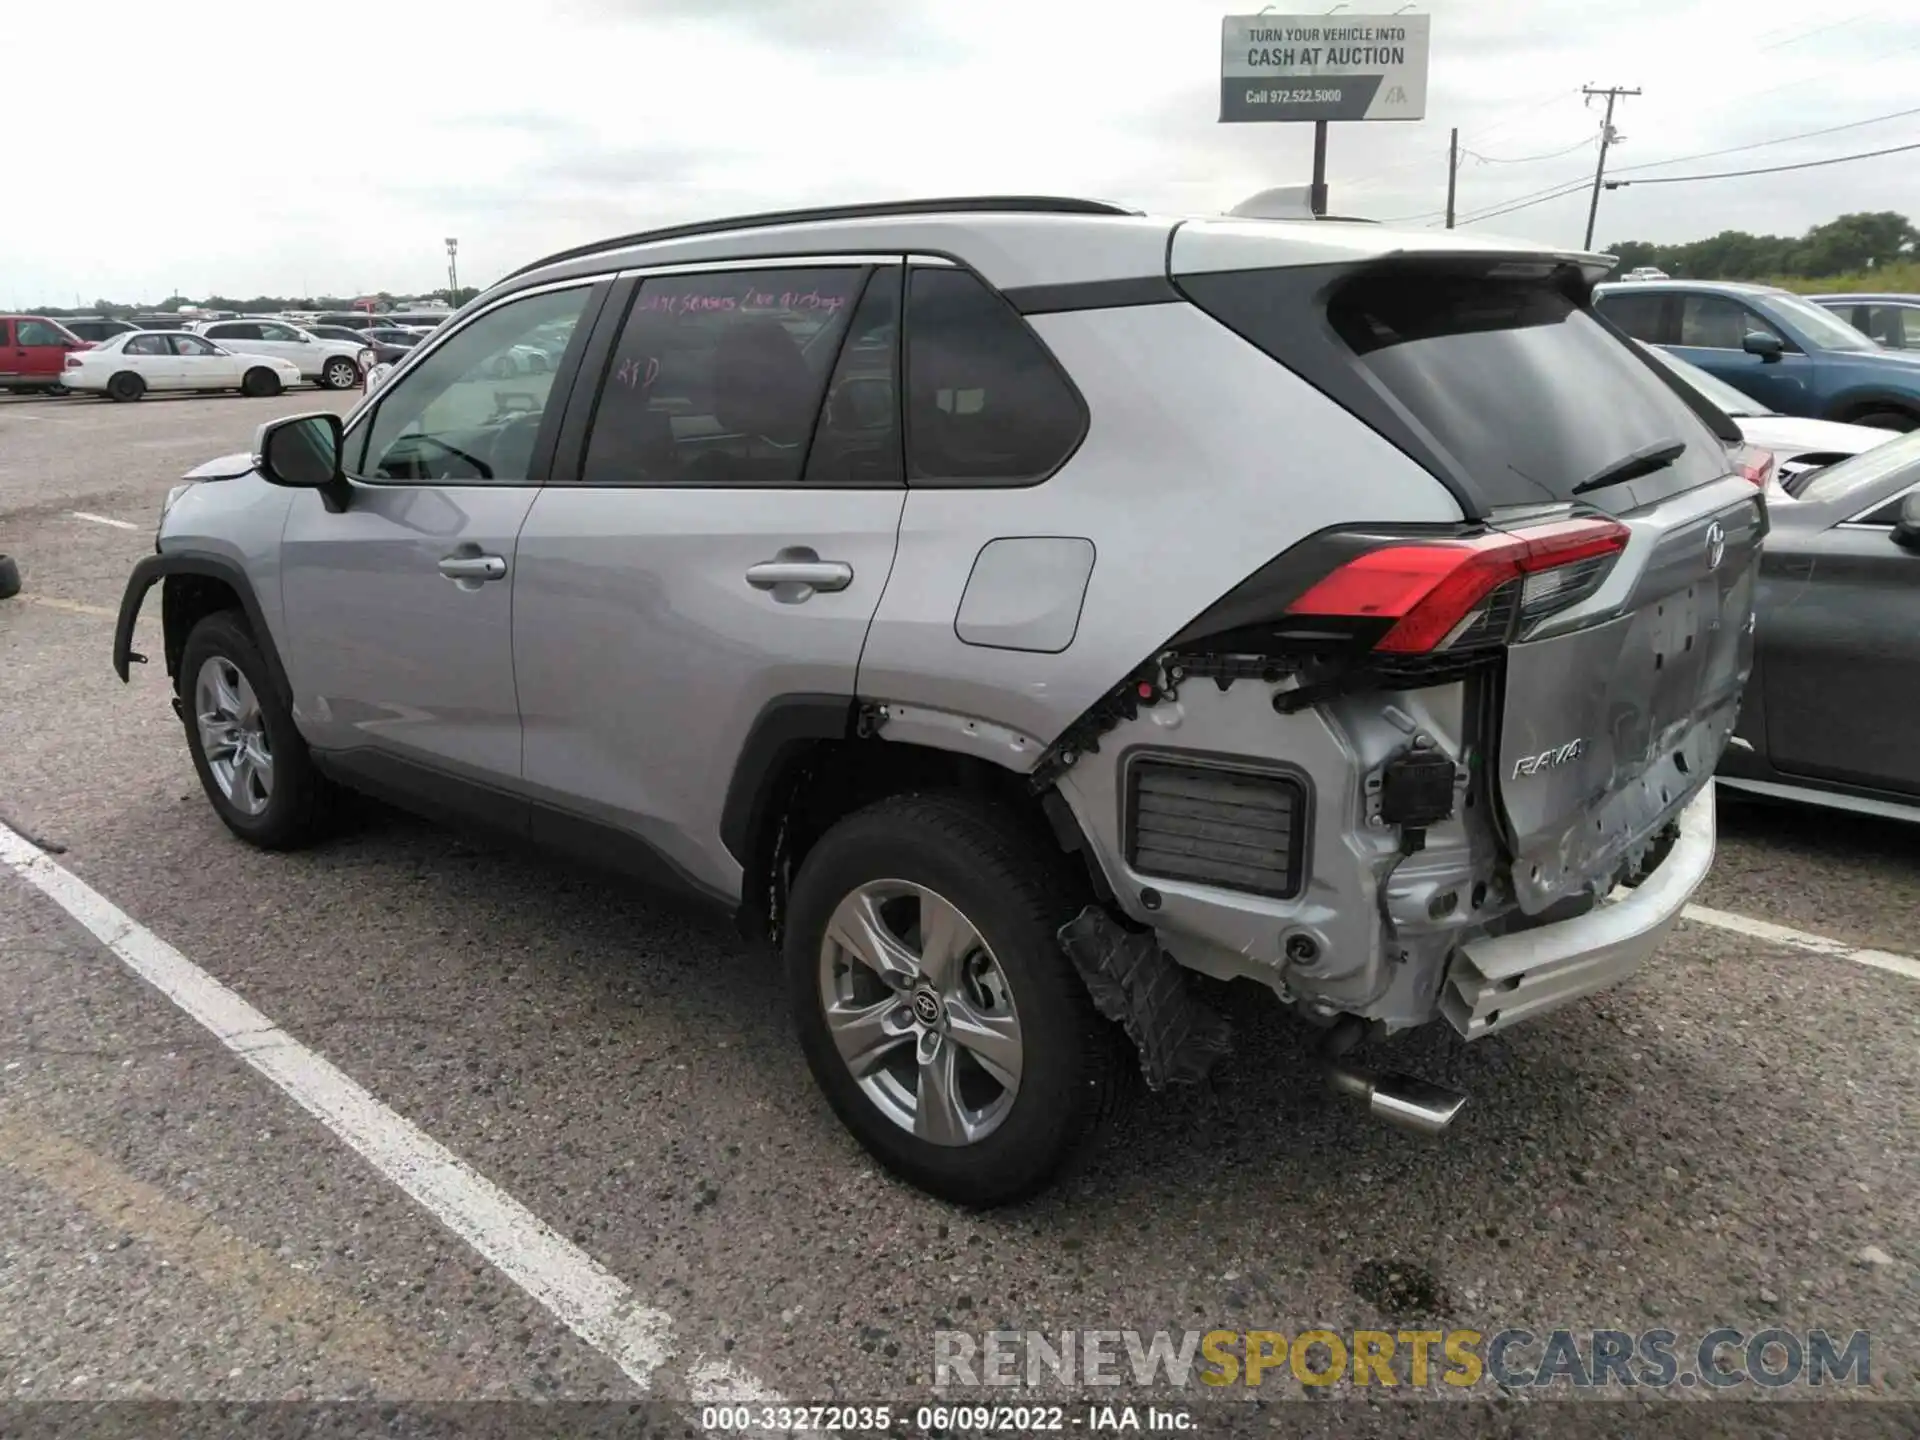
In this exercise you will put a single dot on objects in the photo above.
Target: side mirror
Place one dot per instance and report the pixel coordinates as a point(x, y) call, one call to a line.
point(1768, 347)
point(303, 453)
point(1906, 525)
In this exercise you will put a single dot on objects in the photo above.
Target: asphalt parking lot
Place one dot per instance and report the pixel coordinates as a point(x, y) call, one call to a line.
point(1727, 1140)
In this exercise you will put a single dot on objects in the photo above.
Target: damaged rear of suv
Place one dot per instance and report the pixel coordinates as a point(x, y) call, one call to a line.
point(1009, 607)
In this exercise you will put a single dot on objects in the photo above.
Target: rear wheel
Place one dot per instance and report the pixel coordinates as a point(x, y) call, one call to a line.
point(252, 761)
point(58, 390)
point(1888, 419)
point(260, 381)
point(9, 577)
point(935, 1006)
point(340, 374)
point(126, 386)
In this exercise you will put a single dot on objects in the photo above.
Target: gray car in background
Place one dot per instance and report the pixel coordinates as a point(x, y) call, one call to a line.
point(1829, 713)
point(1892, 320)
point(1006, 607)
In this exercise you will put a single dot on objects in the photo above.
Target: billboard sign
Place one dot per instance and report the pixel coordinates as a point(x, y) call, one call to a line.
point(1323, 67)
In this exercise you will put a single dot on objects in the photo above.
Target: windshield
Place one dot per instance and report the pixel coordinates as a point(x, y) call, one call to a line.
point(1826, 331)
point(1869, 468)
point(1725, 398)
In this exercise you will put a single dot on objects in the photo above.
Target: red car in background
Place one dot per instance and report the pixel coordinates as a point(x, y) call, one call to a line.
point(33, 352)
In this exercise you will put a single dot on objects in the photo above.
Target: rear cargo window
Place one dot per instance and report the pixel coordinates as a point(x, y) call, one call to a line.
point(1501, 384)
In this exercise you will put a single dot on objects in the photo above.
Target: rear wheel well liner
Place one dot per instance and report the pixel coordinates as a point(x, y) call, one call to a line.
point(805, 766)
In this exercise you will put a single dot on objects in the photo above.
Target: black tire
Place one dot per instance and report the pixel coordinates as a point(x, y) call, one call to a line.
point(1076, 1070)
point(1889, 419)
point(340, 373)
point(58, 391)
point(9, 577)
point(259, 382)
point(300, 805)
point(126, 386)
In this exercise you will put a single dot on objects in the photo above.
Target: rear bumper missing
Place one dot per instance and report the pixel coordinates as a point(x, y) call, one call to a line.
point(1497, 982)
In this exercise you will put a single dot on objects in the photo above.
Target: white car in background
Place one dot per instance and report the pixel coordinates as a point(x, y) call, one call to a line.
point(334, 364)
point(128, 365)
point(1799, 446)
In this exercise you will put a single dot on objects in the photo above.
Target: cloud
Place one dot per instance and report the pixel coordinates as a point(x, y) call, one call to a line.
point(611, 116)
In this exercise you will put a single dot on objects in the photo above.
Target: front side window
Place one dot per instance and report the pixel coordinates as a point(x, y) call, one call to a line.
point(467, 414)
point(279, 332)
point(147, 345)
point(193, 345)
point(717, 378)
point(1895, 326)
point(986, 404)
point(1713, 322)
point(39, 332)
point(236, 332)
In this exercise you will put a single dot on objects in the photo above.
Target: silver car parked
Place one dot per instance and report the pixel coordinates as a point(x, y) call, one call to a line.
point(1007, 607)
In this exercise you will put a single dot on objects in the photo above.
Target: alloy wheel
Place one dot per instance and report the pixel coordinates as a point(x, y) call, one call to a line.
point(233, 735)
point(921, 1012)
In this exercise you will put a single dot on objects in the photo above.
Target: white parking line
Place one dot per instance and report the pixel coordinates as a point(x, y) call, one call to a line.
point(1801, 940)
point(104, 520)
point(581, 1293)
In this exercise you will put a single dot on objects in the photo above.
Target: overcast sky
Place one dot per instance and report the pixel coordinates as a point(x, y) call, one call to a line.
point(249, 148)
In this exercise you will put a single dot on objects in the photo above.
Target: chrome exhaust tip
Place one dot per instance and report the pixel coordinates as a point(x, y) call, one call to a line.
point(1403, 1101)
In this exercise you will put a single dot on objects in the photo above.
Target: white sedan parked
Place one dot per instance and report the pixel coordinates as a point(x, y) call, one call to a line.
point(126, 366)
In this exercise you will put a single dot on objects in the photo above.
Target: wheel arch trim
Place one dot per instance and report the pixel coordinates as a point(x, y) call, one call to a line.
point(152, 569)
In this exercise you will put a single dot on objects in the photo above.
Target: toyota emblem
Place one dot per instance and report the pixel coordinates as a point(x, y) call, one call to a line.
point(1716, 545)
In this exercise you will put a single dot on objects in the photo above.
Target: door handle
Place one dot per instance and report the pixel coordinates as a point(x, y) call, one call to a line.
point(809, 574)
point(473, 569)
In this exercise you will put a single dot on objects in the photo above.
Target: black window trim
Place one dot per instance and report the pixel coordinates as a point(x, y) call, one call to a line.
point(564, 376)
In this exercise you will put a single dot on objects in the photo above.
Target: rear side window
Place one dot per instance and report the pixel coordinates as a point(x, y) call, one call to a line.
point(234, 332)
point(1492, 376)
point(1713, 322)
point(986, 403)
point(1638, 315)
point(717, 379)
point(146, 345)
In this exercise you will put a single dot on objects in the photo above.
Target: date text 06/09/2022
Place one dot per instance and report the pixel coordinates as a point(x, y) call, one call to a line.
point(947, 1419)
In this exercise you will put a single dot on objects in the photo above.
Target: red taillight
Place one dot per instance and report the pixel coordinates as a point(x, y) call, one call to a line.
point(1432, 590)
point(1750, 462)
point(73, 362)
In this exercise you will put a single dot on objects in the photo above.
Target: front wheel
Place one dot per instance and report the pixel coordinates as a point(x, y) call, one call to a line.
point(58, 390)
point(937, 1011)
point(251, 759)
point(259, 382)
point(340, 374)
point(1889, 419)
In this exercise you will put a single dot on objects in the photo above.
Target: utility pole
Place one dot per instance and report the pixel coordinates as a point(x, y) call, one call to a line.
point(1453, 170)
point(1613, 93)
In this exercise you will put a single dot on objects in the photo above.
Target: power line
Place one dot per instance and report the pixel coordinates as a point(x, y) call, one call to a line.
point(1579, 144)
point(1817, 30)
point(1763, 144)
point(1521, 201)
point(1765, 170)
point(1561, 194)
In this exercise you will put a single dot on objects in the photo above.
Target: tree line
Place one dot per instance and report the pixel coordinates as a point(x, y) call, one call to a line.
point(258, 304)
point(1845, 246)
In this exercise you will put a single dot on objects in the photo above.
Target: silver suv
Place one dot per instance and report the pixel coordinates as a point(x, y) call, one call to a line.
point(1008, 607)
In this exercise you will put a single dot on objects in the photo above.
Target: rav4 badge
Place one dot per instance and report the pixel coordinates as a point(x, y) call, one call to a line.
point(1551, 759)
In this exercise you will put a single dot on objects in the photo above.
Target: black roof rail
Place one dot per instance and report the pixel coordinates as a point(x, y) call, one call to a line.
point(975, 204)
